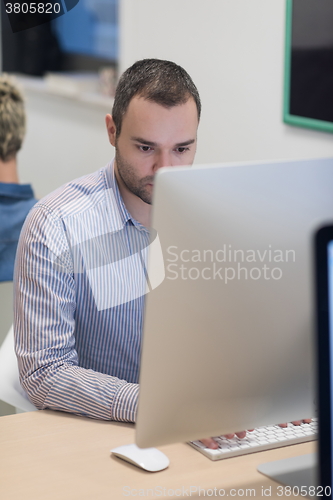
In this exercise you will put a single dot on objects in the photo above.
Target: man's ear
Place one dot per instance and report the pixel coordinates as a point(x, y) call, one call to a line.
point(111, 128)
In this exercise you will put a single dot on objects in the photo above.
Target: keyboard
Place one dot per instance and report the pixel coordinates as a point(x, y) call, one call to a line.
point(261, 439)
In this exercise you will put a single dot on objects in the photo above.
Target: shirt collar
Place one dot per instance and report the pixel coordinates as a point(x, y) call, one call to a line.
point(17, 191)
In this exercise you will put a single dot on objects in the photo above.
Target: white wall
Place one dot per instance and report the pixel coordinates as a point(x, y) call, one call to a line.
point(65, 140)
point(234, 51)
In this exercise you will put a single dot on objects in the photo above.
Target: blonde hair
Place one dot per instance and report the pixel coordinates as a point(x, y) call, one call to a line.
point(12, 118)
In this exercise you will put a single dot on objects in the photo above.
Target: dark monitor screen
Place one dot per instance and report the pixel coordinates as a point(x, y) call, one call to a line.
point(90, 28)
point(324, 278)
point(81, 38)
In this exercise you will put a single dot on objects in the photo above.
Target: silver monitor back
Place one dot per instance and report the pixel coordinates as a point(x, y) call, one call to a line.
point(228, 333)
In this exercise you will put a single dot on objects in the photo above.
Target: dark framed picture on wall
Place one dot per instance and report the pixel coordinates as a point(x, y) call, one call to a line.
point(308, 81)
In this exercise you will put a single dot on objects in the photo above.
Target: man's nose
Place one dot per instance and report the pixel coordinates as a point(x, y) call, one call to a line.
point(163, 160)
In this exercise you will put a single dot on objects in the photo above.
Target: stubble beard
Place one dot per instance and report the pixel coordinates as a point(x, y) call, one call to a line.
point(129, 177)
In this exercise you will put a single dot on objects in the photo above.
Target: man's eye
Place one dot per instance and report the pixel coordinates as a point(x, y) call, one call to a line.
point(182, 150)
point(145, 149)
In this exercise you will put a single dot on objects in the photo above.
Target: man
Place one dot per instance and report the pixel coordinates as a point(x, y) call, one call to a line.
point(15, 199)
point(79, 289)
point(79, 278)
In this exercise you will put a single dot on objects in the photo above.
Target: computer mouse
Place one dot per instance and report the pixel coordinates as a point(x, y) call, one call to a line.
point(149, 459)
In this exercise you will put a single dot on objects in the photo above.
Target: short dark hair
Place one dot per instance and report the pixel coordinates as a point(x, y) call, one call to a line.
point(163, 82)
point(12, 118)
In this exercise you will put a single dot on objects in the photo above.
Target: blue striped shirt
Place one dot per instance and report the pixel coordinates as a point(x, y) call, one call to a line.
point(80, 281)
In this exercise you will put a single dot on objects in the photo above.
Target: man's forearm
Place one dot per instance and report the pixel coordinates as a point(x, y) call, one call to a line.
point(82, 392)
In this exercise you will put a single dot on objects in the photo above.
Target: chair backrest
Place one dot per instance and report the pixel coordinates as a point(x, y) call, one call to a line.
point(6, 308)
point(10, 388)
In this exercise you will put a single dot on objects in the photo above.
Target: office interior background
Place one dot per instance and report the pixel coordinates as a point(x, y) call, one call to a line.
point(234, 51)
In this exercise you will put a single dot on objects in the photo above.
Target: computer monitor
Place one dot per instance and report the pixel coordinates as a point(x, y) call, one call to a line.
point(306, 470)
point(228, 333)
point(324, 287)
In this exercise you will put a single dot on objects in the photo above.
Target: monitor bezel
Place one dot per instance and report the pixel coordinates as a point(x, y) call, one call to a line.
point(323, 236)
point(288, 117)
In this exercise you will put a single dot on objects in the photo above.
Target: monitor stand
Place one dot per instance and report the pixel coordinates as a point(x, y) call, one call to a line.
point(295, 471)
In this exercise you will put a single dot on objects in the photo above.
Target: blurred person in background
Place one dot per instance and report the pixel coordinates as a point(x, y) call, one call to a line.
point(15, 199)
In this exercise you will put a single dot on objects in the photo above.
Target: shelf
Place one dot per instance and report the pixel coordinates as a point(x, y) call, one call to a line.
point(39, 85)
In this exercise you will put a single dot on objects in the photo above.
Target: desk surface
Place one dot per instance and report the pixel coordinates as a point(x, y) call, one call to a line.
point(52, 455)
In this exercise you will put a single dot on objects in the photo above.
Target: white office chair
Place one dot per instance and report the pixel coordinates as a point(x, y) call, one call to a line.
point(11, 391)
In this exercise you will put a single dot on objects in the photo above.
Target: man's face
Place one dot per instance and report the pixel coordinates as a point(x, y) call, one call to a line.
point(152, 137)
